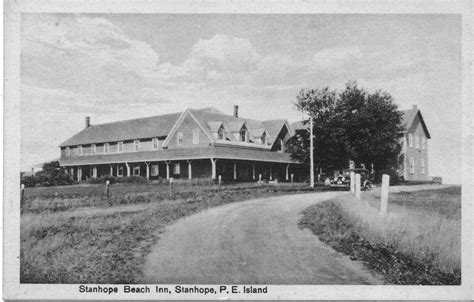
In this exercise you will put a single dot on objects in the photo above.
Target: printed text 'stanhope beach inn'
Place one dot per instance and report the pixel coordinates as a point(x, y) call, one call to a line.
point(192, 144)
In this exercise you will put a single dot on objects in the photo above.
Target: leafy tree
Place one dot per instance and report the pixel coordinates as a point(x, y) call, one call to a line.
point(350, 125)
point(52, 175)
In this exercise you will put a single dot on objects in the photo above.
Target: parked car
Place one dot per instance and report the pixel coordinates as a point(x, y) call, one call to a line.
point(343, 181)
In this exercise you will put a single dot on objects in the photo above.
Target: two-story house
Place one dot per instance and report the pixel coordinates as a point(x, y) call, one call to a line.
point(414, 156)
point(202, 143)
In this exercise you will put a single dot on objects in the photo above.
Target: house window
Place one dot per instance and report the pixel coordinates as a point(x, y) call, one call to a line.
point(180, 138)
point(79, 150)
point(136, 171)
point(177, 168)
point(136, 145)
point(120, 171)
point(106, 148)
point(195, 136)
point(154, 143)
point(282, 145)
point(220, 133)
point(243, 135)
point(410, 140)
point(412, 165)
point(154, 170)
point(423, 143)
point(422, 166)
point(120, 147)
point(264, 138)
point(417, 142)
point(93, 149)
point(68, 151)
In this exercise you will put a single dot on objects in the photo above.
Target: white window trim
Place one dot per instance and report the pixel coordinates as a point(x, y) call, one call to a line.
point(80, 151)
point(410, 140)
point(220, 131)
point(423, 143)
point(93, 148)
point(282, 145)
point(412, 165)
point(246, 137)
point(157, 170)
point(422, 166)
point(136, 168)
point(153, 141)
point(120, 169)
point(417, 142)
point(106, 148)
point(68, 151)
point(136, 145)
point(196, 136)
point(177, 168)
point(179, 138)
point(120, 147)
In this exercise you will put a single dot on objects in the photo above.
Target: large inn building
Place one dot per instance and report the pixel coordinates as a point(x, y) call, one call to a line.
point(202, 143)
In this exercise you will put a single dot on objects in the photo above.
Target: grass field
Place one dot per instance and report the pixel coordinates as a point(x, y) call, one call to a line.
point(418, 242)
point(80, 236)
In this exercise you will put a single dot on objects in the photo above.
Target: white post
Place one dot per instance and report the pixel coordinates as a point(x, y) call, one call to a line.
point(292, 175)
point(167, 170)
point(311, 155)
point(147, 170)
point(128, 169)
point(357, 185)
point(259, 177)
point(220, 180)
point(235, 170)
point(253, 171)
point(190, 172)
point(271, 173)
point(384, 196)
point(213, 172)
point(79, 174)
point(352, 181)
point(111, 170)
point(286, 175)
point(94, 172)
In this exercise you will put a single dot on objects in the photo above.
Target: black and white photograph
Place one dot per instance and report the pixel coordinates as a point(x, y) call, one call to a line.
point(201, 151)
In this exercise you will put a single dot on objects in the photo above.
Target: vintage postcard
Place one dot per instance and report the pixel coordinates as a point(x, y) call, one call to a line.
point(175, 150)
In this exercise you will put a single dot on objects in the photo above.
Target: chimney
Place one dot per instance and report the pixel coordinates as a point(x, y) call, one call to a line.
point(236, 110)
point(415, 107)
point(88, 121)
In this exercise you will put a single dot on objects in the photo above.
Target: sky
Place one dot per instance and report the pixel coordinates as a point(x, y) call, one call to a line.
point(121, 66)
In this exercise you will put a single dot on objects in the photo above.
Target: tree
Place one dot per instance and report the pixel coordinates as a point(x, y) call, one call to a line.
point(350, 125)
point(52, 175)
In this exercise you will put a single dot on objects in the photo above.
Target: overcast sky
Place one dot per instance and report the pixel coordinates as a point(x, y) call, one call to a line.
point(121, 66)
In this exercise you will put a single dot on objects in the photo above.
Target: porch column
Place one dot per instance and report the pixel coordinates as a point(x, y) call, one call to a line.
point(253, 171)
point(72, 172)
point(271, 173)
point(94, 171)
point(190, 172)
point(287, 168)
point(147, 170)
point(213, 163)
point(111, 170)
point(167, 169)
point(128, 169)
point(235, 170)
point(79, 173)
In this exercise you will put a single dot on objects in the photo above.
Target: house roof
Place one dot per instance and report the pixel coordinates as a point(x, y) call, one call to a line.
point(409, 116)
point(274, 127)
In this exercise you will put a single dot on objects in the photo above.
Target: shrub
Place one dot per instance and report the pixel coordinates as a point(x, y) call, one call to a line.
point(52, 175)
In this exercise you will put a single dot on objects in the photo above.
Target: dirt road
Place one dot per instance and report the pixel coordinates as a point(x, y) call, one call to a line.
point(252, 242)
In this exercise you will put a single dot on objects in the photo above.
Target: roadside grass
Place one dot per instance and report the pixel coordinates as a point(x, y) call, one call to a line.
point(412, 245)
point(94, 240)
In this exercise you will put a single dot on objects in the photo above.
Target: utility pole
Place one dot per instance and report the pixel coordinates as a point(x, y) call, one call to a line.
point(311, 156)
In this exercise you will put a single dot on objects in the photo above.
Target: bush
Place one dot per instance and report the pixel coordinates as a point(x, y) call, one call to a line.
point(132, 180)
point(395, 178)
point(52, 175)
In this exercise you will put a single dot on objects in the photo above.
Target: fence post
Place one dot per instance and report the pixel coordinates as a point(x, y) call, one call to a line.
point(352, 182)
point(107, 188)
point(171, 184)
point(22, 194)
point(357, 185)
point(384, 196)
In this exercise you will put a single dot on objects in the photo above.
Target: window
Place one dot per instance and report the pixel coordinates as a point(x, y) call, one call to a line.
point(422, 166)
point(120, 171)
point(136, 145)
point(177, 168)
point(282, 145)
point(195, 136)
point(154, 170)
point(93, 149)
point(120, 147)
point(412, 165)
point(417, 142)
point(154, 143)
point(243, 135)
point(264, 138)
point(68, 151)
point(180, 138)
point(136, 171)
point(79, 150)
point(410, 140)
point(106, 148)
point(423, 143)
point(220, 133)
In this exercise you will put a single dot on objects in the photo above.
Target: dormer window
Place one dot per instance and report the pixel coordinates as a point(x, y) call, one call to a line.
point(410, 140)
point(220, 133)
point(106, 148)
point(154, 143)
point(120, 147)
point(282, 145)
point(264, 138)
point(68, 151)
point(93, 149)
point(136, 145)
point(79, 150)
point(179, 138)
point(243, 135)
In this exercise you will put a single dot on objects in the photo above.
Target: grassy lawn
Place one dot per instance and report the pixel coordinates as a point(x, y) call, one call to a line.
point(80, 236)
point(418, 242)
